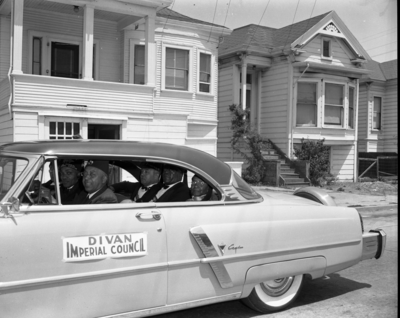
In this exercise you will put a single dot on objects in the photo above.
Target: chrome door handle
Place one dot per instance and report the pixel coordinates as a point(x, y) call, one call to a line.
point(149, 215)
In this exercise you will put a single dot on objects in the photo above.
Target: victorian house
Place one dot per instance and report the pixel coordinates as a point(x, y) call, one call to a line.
point(299, 81)
point(110, 69)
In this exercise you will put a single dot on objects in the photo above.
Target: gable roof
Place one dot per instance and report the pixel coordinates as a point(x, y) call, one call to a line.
point(264, 38)
point(173, 15)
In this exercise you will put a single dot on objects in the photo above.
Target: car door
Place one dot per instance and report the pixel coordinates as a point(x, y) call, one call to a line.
point(205, 242)
point(82, 260)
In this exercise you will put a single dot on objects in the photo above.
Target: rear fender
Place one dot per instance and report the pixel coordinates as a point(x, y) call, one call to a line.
point(313, 266)
point(315, 194)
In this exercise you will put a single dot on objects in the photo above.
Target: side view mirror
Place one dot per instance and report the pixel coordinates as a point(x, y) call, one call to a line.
point(11, 206)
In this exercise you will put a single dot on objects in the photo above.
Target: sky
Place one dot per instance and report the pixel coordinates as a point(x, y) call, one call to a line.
point(372, 22)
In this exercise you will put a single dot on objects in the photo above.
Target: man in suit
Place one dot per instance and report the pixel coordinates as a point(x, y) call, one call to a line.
point(146, 189)
point(201, 191)
point(95, 180)
point(173, 189)
point(71, 182)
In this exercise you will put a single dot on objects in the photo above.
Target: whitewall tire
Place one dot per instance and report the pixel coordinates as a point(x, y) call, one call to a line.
point(275, 295)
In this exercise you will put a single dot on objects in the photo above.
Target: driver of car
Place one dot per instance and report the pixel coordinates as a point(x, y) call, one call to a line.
point(147, 188)
point(201, 191)
point(95, 179)
point(173, 189)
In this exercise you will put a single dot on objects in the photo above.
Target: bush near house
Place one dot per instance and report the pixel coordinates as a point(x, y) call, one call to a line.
point(248, 143)
point(318, 155)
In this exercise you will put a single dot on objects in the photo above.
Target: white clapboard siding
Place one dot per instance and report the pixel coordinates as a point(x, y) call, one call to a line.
point(5, 23)
point(390, 117)
point(41, 92)
point(274, 104)
point(26, 126)
point(225, 96)
point(313, 53)
point(6, 127)
point(202, 131)
point(4, 93)
point(342, 162)
point(59, 24)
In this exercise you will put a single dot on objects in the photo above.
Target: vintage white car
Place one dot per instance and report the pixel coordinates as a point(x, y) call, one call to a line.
point(143, 259)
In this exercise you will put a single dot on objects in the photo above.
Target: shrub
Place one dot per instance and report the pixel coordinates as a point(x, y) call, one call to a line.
point(248, 143)
point(318, 155)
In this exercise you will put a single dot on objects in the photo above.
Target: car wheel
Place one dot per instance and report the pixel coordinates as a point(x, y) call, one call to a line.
point(275, 295)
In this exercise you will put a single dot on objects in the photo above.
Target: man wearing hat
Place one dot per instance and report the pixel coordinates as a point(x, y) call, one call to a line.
point(95, 179)
point(147, 188)
point(173, 189)
point(71, 182)
point(201, 191)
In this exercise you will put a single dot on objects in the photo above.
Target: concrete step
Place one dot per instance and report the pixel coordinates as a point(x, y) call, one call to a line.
point(271, 157)
point(289, 175)
point(293, 180)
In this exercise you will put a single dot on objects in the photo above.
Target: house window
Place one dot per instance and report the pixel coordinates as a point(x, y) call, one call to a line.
point(351, 107)
point(37, 56)
point(377, 115)
point(64, 60)
point(63, 129)
point(306, 104)
point(139, 65)
point(326, 48)
point(334, 104)
point(176, 69)
point(205, 73)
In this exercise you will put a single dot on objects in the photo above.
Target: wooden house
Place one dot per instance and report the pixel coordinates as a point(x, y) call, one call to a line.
point(299, 81)
point(109, 69)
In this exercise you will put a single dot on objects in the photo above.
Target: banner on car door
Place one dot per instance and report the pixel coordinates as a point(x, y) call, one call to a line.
point(84, 248)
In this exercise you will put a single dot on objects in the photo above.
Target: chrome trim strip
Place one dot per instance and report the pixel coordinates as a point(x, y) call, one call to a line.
point(278, 252)
point(183, 263)
point(176, 307)
point(73, 277)
point(210, 251)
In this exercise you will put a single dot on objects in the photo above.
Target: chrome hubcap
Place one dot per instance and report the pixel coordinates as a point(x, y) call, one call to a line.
point(277, 287)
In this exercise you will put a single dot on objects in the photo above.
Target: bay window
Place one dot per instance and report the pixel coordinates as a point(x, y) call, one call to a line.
point(327, 104)
point(205, 73)
point(177, 69)
point(307, 104)
point(334, 104)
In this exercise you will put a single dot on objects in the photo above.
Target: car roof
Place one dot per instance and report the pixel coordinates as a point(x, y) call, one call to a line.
point(220, 171)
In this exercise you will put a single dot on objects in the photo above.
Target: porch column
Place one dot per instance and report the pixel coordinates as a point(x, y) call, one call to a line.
point(150, 50)
point(87, 65)
point(16, 37)
point(243, 86)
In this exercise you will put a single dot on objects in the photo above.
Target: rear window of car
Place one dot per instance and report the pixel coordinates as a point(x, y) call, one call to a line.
point(243, 188)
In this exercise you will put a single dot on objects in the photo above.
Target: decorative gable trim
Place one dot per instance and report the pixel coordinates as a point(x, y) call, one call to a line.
point(332, 28)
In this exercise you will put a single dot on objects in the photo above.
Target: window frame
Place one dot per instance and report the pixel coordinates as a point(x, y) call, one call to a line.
point(344, 105)
point(190, 67)
point(318, 101)
point(354, 106)
point(212, 62)
point(47, 39)
point(329, 41)
point(373, 113)
point(72, 120)
point(131, 62)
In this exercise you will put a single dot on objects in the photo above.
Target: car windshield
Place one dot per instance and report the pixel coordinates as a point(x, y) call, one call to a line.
point(10, 169)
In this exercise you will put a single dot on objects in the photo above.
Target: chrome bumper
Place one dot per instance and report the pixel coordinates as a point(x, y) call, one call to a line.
point(374, 243)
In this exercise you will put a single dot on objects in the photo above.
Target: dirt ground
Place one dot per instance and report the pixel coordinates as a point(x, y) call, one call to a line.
point(366, 187)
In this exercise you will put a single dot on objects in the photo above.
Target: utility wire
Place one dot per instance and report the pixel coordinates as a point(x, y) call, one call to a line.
point(290, 30)
point(395, 50)
point(215, 10)
point(380, 46)
point(378, 34)
point(255, 30)
point(226, 15)
point(306, 29)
